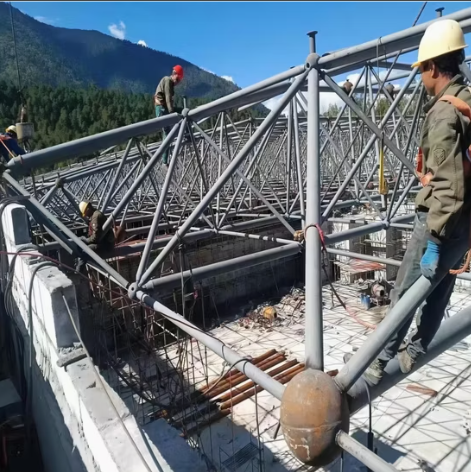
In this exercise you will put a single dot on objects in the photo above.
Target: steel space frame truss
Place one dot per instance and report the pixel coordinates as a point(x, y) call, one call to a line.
point(294, 167)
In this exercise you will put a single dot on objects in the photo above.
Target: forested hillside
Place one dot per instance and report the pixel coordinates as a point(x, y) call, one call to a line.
point(60, 56)
point(77, 83)
point(61, 114)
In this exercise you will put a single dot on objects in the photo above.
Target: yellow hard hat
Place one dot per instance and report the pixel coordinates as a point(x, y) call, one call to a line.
point(441, 37)
point(83, 207)
point(11, 129)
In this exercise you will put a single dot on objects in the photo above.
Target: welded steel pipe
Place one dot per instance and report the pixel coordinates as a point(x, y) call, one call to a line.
point(212, 270)
point(314, 339)
point(407, 38)
point(218, 347)
point(451, 331)
point(363, 454)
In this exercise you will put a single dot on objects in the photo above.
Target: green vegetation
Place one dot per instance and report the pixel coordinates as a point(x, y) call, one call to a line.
point(61, 114)
point(78, 83)
point(78, 58)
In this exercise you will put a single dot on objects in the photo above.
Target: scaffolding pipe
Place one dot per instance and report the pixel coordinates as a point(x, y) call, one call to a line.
point(222, 267)
point(363, 454)
point(314, 339)
point(451, 331)
point(225, 176)
point(241, 364)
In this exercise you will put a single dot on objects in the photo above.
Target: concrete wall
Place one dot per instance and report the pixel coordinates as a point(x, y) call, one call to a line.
point(228, 290)
point(78, 427)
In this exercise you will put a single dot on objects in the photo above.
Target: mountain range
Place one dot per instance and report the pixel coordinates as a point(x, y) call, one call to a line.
point(56, 56)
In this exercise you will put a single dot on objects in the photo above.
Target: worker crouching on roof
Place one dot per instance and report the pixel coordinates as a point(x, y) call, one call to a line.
point(98, 240)
point(440, 236)
point(164, 100)
point(9, 144)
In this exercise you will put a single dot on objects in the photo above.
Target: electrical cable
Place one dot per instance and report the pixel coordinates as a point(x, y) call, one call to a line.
point(61, 264)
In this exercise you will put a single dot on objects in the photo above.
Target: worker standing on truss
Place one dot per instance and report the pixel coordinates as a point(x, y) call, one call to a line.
point(9, 144)
point(443, 205)
point(99, 241)
point(164, 100)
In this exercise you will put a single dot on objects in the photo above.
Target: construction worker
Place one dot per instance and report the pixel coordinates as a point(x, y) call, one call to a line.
point(9, 144)
point(100, 242)
point(441, 231)
point(347, 86)
point(164, 100)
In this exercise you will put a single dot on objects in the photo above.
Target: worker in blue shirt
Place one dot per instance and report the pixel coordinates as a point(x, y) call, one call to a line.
point(9, 145)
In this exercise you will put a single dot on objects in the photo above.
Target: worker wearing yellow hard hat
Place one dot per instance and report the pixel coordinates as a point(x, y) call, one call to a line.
point(440, 237)
point(9, 144)
point(98, 240)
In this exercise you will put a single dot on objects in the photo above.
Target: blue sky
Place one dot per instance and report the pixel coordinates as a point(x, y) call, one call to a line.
point(246, 41)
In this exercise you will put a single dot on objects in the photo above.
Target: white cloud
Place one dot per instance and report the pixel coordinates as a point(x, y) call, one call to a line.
point(207, 70)
point(118, 31)
point(44, 19)
point(141, 42)
point(228, 78)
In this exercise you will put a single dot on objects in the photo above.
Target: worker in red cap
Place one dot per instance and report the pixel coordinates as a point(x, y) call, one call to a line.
point(163, 100)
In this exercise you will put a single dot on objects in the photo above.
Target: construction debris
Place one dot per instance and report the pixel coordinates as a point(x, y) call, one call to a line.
point(422, 390)
point(267, 316)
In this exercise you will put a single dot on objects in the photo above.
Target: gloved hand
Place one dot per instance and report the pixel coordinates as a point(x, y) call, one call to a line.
point(429, 261)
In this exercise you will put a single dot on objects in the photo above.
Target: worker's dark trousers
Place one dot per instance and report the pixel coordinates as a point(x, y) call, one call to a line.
point(432, 311)
point(161, 111)
point(103, 252)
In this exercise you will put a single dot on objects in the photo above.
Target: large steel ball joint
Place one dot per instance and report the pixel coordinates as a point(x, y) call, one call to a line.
point(312, 412)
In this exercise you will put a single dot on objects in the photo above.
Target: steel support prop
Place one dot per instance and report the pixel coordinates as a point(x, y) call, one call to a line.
point(314, 339)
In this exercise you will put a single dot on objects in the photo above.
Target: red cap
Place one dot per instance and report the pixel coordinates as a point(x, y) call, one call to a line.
point(179, 71)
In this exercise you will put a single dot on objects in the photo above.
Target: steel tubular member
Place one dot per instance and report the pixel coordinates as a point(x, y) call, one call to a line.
point(225, 176)
point(314, 342)
point(407, 38)
point(95, 143)
point(252, 372)
point(391, 324)
point(49, 219)
point(162, 200)
point(141, 177)
point(218, 268)
point(451, 331)
point(363, 454)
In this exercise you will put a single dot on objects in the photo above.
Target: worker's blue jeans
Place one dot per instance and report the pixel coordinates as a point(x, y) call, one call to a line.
point(432, 311)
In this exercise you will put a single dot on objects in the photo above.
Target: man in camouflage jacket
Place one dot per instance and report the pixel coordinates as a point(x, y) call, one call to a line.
point(441, 231)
